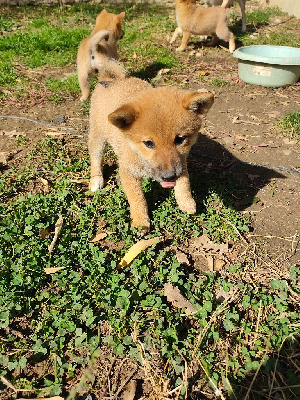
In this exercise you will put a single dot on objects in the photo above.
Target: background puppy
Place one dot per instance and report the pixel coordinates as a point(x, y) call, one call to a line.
point(229, 3)
point(151, 130)
point(100, 49)
point(201, 21)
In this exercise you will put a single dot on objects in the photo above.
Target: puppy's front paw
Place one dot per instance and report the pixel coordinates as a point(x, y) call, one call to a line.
point(179, 48)
point(96, 182)
point(188, 206)
point(144, 225)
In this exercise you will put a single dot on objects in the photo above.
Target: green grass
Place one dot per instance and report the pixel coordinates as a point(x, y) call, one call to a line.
point(67, 309)
point(55, 326)
point(290, 124)
point(263, 17)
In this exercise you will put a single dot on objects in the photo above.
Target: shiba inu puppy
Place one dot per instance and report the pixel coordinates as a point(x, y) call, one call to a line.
point(229, 3)
point(98, 53)
point(192, 19)
point(151, 130)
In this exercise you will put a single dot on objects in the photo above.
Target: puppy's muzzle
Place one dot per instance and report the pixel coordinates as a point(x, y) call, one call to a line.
point(168, 180)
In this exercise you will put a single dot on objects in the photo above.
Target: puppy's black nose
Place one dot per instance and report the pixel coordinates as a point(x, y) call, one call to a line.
point(169, 178)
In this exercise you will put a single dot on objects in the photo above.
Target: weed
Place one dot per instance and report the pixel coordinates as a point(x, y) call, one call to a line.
point(290, 124)
point(7, 24)
point(219, 82)
point(263, 17)
point(66, 85)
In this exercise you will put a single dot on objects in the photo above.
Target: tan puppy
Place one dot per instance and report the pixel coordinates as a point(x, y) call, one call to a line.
point(229, 3)
point(151, 130)
point(97, 54)
point(201, 21)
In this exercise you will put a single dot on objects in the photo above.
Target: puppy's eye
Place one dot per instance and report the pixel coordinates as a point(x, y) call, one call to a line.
point(149, 144)
point(179, 140)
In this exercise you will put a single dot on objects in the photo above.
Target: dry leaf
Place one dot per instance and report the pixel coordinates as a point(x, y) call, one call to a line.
point(7, 383)
point(135, 250)
point(58, 227)
point(175, 297)
point(203, 73)
point(207, 245)
point(210, 262)
point(99, 236)
point(4, 155)
point(82, 181)
point(46, 185)
point(129, 392)
point(11, 134)
point(45, 398)
point(44, 233)
point(52, 270)
point(56, 133)
point(181, 257)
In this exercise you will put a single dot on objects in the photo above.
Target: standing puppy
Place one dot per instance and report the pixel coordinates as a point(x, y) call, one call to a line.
point(201, 21)
point(151, 130)
point(97, 54)
point(229, 3)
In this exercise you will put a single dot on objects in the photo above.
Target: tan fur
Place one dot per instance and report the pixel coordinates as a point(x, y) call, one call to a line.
point(129, 114)
point(229, 3)
point(98, 53)
point(201, 21)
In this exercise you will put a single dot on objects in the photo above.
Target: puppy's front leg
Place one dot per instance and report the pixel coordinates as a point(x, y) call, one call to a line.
point(183, 194)
point(138, 206)
point(185, 38)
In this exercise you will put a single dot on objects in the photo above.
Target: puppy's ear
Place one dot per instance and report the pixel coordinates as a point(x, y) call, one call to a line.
point(123, 117)
point(121, 15)
point(197, 102)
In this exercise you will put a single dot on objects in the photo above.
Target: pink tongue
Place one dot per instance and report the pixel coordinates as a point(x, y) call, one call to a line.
point(167, 184)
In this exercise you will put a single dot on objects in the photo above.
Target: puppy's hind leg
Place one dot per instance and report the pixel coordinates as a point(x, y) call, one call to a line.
point(175, 34)
point(225, 34)
point(96, 147)
point(84, 83)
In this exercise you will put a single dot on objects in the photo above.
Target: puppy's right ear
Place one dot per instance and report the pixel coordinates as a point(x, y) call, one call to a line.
point(123, 117)
point(198, 102)
point(121, 15)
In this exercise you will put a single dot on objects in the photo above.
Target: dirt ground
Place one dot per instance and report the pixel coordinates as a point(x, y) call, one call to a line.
point(239, 134)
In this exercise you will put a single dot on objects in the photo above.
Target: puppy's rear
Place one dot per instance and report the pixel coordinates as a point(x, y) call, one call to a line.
point(98, 53)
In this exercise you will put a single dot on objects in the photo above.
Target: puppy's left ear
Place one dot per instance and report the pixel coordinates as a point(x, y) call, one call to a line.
point(197, 102)
point(123, 117)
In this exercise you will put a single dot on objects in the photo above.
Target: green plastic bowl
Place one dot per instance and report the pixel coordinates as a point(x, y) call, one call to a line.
point(266, 65)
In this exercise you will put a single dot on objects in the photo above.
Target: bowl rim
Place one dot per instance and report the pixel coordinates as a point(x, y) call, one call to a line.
point(238, 53)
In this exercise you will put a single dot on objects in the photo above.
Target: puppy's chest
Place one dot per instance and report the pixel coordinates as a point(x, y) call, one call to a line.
point(183, 15)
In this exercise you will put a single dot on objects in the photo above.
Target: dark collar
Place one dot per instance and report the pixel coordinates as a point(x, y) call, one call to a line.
point(105, 83)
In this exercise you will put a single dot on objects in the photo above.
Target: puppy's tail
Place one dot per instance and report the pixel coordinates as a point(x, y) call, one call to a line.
point(113, 69)
point(96, 38)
